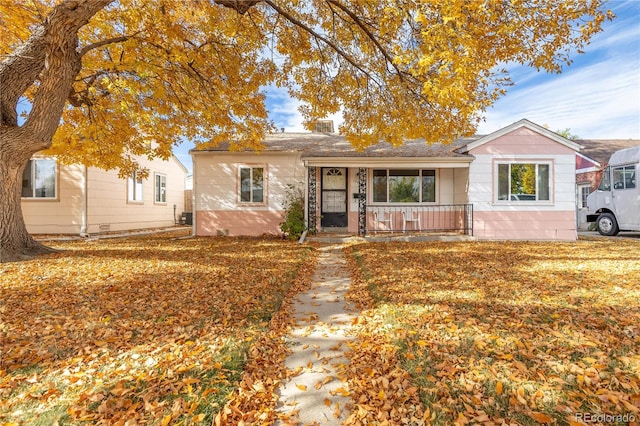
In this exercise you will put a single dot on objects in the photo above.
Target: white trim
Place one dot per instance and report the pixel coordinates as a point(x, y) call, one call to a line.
point(587, 170)
point(132, 179)
point(414, 203)
point(155, 188)
point(32, 173)
point(537, 162)
point(529, 125)
point(251, 167)
point(589, 159)
point(389, 162)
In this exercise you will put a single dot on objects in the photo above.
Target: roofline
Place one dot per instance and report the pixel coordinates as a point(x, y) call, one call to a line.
point(244, 152)
point(588, 170)
point(529, 125)
point(177, 160)
point(586, 157)
point(442, 162)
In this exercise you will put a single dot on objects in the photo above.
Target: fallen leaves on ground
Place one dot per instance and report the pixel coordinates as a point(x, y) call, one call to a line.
point(504, 332)
point(141, 330)
point(255, 399)
point(381, 390)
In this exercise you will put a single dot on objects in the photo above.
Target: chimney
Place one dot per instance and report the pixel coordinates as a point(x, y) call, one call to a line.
point(323, 126)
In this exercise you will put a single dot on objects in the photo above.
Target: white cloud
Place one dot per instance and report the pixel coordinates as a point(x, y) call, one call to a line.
point(597, 101)
point(597, 97)
point(284, 111)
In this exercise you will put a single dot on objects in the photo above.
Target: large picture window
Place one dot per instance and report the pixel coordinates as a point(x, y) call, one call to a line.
point(404, 186)
point(527, 182)
point(39, 179)
point(161, 188)
point(251, 184)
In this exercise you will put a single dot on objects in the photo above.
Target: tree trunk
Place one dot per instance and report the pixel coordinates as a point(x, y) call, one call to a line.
point(50, 57)
point(15, 241)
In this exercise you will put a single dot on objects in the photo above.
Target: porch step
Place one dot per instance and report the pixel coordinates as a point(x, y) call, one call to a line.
point(334, 230)
point(337, 238)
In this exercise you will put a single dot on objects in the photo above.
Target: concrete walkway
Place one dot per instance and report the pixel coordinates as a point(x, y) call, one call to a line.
point(315, 394)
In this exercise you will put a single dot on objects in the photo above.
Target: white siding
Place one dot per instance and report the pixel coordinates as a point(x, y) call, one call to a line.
point(109, 208)
point(62, 215)
point(216, 179)
point(107, 205)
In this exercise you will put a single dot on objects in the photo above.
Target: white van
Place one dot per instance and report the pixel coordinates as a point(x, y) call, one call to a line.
point(615, 205)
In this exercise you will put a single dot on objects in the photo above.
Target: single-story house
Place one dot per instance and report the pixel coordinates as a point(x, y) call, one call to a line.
point(590, 162)
point(74, 199)
point(515, 183)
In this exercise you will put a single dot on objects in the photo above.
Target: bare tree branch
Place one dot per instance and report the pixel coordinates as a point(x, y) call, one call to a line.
point(101, 43)
point(369, 34)
point(325, 40)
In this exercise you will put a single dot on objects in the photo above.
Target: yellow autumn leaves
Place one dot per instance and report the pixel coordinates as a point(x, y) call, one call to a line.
point(140, 330)
point(510, 332)
point(166, 70)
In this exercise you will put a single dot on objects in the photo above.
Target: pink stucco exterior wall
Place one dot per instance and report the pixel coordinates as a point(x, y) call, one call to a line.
point(226, 222)
point(519, 225)
point(523, 141)
point(494, 219)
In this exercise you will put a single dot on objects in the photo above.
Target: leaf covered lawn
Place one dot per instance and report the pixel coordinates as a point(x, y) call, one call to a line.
point(499, 333)
point(145, 330)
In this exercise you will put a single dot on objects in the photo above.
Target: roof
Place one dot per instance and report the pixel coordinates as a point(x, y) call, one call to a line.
point(333, 145)
point(600, 150)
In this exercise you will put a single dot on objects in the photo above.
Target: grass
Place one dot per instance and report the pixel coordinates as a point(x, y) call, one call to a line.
point(509, 332)
point(150, 330)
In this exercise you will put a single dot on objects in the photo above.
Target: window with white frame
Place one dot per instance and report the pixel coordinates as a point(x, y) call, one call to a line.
point(161, 188)
point(583, 193)
point(528, 182)
point(39, 178)
point(251, 184)
point(134, 188)
point(404, 186)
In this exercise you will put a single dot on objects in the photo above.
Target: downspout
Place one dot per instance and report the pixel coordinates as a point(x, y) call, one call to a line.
point(306, 194)
point(84, 189)
point(193, 194)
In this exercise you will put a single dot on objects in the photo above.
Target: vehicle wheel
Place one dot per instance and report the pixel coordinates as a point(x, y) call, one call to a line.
point(607, 225)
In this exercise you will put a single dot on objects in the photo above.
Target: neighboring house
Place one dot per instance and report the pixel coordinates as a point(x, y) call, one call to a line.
point(516, 183)
point(590, 162)
point(73, 199)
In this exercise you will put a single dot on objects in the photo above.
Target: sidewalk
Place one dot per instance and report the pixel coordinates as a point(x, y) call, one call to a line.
point(316, 394)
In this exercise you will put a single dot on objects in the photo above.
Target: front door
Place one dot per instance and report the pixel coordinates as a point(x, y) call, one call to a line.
point(334, 197)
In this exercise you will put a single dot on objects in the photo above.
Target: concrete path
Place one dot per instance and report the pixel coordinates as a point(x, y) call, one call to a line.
point(315, 393)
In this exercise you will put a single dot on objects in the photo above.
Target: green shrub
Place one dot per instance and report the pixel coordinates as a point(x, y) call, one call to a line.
point(294, 225)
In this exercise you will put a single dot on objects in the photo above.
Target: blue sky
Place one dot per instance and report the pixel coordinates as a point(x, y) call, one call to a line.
point(596, 97)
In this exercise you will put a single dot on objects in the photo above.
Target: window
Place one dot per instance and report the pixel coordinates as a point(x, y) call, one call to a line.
point(605, 181)
point(523, 182)
point(251, 184)
point(134, 185)
point(161, 188)
point(39, 179)
point(404, 186)
point(583, 192)
point(624, 177)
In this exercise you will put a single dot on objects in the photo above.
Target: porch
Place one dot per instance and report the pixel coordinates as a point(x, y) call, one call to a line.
point(450, 218)
point(349, 201)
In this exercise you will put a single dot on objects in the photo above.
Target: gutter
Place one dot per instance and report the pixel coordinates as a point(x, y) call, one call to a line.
point(437, 162)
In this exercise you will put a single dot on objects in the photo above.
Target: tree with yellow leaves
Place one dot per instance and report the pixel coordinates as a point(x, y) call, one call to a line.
point(110, 80)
